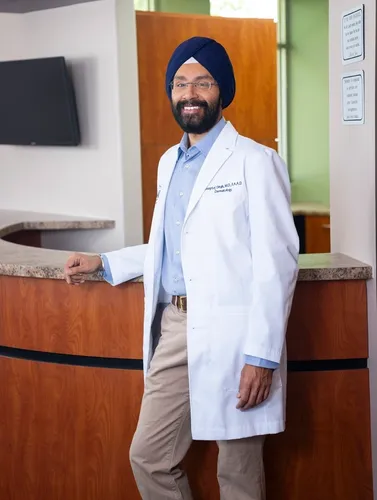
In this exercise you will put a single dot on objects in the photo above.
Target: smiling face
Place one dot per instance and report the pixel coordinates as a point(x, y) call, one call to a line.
point(196, 106)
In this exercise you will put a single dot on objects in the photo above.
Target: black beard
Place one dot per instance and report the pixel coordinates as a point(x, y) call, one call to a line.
point(193, 125)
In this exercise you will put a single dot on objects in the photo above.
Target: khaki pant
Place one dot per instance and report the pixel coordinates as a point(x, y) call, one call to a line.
point(163, 435)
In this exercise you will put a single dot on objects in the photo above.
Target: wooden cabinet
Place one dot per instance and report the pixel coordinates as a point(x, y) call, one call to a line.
point(317, 234)
point(65, 431)
point(324, 452)
point(71, 386)
point(313, 232)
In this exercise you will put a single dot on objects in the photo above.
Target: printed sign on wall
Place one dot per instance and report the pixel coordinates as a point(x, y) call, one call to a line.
point(353, 45)
point(353, 97)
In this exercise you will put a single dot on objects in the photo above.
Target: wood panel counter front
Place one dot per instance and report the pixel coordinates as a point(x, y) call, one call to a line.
point(71, 386)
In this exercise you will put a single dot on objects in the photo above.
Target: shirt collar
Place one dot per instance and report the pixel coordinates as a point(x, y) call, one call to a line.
point(205, 144)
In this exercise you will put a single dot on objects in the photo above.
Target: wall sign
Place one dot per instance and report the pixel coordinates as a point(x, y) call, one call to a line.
point(353, 98)
point(353, 45)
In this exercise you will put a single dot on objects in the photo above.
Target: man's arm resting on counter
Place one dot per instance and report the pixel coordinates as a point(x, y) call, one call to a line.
point(124, 265)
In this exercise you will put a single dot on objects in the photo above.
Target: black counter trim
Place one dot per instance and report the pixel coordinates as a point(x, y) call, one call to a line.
point(72, 359)
point(137, 364)
point(327, 364)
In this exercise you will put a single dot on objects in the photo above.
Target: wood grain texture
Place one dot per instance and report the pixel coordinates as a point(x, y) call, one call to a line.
point(251, 44)
point(325, 452)
point(328, 321)
point(317, 234)
point(65, 431)
point(49, 315)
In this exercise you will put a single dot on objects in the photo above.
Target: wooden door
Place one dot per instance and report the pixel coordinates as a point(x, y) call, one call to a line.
point(251, 44)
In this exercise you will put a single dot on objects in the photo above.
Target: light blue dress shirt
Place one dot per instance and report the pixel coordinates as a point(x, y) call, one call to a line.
point(187, 167)
point(189, 163)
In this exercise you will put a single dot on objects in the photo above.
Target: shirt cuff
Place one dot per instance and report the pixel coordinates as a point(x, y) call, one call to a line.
point(263, 363)
point(106, 272)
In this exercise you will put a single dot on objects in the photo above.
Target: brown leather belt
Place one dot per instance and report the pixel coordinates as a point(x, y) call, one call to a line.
point(180, 301)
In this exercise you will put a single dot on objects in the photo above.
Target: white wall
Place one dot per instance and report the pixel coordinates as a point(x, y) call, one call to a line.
point(11, 36)
point(87, 180)
point(130, 119)
point(352, 175)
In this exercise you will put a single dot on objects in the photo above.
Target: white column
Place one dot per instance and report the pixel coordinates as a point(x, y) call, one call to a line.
point(353, 173)
point(129, 122)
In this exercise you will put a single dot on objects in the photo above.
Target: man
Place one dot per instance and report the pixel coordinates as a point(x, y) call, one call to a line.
point(223, 254)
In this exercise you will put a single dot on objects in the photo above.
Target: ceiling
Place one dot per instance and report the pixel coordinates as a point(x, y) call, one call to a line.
point(22, 6)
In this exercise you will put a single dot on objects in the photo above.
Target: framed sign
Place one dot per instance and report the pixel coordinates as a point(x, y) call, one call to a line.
point(353, 44)
point(353, 98)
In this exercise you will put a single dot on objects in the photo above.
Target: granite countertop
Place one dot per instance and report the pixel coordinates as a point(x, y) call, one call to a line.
point(332, 267)
point(19, 260)
point(310, 209)
point(328, 267)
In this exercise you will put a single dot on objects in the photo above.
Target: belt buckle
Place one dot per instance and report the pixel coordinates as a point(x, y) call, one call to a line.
point(182, 303)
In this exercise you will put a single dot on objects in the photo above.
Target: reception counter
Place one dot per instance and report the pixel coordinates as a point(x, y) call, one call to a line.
point(71, 380)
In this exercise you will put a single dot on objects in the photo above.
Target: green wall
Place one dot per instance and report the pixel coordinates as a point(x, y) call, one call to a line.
point(183, 6)
point(308, 99)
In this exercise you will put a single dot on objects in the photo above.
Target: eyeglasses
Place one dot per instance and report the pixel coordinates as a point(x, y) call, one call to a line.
point(204, 86)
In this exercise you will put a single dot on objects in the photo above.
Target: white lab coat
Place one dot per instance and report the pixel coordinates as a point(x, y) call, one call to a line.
point(239, 256)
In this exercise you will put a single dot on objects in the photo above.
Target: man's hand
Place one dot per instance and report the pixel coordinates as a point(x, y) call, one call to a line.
point(80, 264)
point(255, 386)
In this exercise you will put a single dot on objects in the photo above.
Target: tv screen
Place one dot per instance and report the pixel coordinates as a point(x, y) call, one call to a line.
point(37, 103)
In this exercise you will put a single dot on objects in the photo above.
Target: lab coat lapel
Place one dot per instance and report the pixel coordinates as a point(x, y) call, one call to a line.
point(156, 238)
point(166, 172)
point(167, 169)
point(219, 153)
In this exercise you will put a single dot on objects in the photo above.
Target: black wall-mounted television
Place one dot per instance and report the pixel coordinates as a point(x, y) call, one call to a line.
point(37, 103)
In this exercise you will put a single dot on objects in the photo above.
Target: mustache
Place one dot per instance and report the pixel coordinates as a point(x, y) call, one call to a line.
point(192, 102)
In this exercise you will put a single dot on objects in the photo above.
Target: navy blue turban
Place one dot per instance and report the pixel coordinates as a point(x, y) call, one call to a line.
point(213, 57)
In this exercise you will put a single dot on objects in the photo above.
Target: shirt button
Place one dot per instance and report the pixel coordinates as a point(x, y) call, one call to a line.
point(177, 252)
point(178, 223)
point(181, 194)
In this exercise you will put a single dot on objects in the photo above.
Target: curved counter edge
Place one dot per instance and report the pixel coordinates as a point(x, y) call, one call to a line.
point(24, 261)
